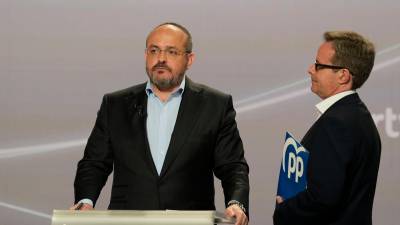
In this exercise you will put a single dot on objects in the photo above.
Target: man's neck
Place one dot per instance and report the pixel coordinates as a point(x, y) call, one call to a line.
point(163, 95)
point(328, 102)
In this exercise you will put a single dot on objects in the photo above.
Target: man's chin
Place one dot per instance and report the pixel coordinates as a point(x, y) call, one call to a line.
point(164, 81)
point(163, 84)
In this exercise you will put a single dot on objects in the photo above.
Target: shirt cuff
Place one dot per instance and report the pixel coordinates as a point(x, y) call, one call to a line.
point(86, 201)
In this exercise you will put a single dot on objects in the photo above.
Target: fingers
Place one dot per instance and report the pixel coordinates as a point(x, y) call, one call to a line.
point(279, 199)
point(73, 207)
point(81, 206)
point(86, 207)
point(236, 211)
point(229, 212)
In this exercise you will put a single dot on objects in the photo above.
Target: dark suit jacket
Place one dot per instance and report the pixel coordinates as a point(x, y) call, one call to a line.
point(345, 149)
point(205, 140)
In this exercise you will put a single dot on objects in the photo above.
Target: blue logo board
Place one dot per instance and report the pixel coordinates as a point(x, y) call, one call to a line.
point(293, 174)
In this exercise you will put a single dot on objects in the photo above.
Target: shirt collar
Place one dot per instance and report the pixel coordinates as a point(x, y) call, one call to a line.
point(328, 102)
point(177, 92)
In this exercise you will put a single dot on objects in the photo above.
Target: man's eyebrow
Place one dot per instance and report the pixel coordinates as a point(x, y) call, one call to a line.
point(167, 47)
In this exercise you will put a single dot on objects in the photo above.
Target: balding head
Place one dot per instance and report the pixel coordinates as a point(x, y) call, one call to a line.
point(188, 45)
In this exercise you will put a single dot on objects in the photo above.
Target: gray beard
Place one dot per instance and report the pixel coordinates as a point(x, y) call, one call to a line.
point(166, 84)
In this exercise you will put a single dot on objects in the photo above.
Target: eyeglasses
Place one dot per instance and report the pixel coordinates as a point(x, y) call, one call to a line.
point(320, 66)
point(169, 52)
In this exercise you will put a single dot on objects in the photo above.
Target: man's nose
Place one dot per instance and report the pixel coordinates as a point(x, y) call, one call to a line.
point(311, 69)
point(162, 56)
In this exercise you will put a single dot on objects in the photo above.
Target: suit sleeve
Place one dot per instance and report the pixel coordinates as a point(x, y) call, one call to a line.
point(331, 149)
point(97, 162)
point(230, 165)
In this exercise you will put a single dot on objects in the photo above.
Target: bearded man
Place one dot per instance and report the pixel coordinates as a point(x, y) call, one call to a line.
point(165, 139)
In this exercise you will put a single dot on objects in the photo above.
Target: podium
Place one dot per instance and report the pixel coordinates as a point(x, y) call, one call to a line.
point(135, 217)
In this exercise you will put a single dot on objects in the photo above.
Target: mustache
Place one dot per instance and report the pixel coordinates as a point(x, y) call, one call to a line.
point(161, 66)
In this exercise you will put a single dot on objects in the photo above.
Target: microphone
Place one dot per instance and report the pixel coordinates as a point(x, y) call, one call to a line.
point(139, 109)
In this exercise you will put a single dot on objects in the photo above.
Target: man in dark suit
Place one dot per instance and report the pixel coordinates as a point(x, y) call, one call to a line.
point(344, 143)
point(165, 139)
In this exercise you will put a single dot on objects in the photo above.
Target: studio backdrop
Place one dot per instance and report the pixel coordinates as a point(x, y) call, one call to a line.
point(59, 57)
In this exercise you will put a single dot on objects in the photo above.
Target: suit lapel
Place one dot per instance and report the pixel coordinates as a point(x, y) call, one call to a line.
point(185, 121)
point(137, 106)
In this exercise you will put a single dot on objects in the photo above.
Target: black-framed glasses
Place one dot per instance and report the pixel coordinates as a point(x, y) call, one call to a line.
point(320, 66)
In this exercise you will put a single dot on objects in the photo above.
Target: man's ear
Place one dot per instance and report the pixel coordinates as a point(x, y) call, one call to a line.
point(190, 58)
point(345, 77)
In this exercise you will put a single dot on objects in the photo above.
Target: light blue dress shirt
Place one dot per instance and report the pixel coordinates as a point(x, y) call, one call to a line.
point(161, 118)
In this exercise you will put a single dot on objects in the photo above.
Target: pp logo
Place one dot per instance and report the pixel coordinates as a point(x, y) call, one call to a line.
point(294, 160)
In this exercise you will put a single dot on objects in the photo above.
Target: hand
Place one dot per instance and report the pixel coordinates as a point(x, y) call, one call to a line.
point(237, 212)
point(279, 199)
point(83, 207)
